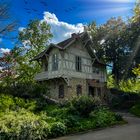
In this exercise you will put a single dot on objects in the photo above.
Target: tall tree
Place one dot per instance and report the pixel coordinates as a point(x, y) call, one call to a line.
point(133, 40)
point(32, 40)
point(7, 23)
point(109, 44)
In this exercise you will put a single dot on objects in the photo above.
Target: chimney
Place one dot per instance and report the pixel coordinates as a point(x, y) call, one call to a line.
point(74, 35)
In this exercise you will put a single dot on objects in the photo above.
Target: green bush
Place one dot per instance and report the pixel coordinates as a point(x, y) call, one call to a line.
point(23, 125)
point(103, 117)
point(136, 110)
point(19, 121)
point(57, 129)
point(8, 102)
point(82, 106)
point(71, 121)
point(25, 90)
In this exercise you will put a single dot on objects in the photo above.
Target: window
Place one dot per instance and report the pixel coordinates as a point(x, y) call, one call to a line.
point(55, 62)
point(78, 63)
point(46, 67)
point(79, 90)
point(61, 91)
point(96, 70)
point(91, 91)
point(99, 91)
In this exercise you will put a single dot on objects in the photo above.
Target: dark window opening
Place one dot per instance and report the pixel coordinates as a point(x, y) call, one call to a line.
point(99, 91)
point(96, 70)
point(79, 90)
point(91, 91)
point(55, 62)
point(78, 63)
point(61, 91)
point(46, 67)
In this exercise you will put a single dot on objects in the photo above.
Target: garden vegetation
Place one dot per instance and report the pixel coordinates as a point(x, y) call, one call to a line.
point(19, 118)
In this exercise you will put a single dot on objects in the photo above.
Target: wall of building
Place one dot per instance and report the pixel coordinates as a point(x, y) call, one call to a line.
point(71, 90)
point(66, 65)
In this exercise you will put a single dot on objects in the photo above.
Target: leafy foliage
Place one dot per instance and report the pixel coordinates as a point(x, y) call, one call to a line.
point(82, 106)
point(116, 42)
point(58, 129)
point(20, 120)
point(22, 125)
point(10, 103)
point(17, 65)
point(111, 48)
point(136, 110)
point(103, 117)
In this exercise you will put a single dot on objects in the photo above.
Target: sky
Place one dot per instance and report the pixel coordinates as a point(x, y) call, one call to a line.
point(65, 16)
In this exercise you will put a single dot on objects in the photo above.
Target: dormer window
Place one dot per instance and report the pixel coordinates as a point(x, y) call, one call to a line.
point(78, 64)
point(55, 62)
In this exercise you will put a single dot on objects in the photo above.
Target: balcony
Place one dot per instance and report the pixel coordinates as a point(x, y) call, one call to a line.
point(48, 75)
point(41, 76)
point(68, 73)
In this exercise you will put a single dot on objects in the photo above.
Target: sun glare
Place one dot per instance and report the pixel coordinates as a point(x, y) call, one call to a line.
point(120, 1)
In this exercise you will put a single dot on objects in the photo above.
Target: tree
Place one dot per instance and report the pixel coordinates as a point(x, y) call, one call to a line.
point(32, 40)
point(132, 37)
point(110, 45)
point(136, 70)
point(7, 24)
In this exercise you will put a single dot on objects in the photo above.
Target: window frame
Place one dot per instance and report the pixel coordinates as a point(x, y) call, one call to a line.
point(78, 63)
point(61, 91)
point(55, 62)
point(79, 90)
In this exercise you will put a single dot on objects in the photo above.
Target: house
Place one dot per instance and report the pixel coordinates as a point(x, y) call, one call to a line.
point(71, 68)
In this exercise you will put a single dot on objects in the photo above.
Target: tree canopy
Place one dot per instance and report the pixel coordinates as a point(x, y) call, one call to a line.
point(117, 43)
point(32, 40)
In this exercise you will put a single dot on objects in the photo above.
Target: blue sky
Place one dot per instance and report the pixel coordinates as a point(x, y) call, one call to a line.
point(66, 16)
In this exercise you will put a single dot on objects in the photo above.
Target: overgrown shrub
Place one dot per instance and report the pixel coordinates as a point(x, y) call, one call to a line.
point(25, 90)
point(82, 106)
point(8, 102)
point(23, 125)
point(136, 110)
point(103, 117)
point(20, 119)
point(122, 100)
point(72, 121)
point(57, 129)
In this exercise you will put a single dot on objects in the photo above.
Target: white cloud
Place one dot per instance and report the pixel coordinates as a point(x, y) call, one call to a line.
point(20, 29)
point(4, 50)
point(61, 30)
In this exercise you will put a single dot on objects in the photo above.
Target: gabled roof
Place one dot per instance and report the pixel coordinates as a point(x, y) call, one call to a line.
point(65, 43)
point(83, 37)
point(61, 45)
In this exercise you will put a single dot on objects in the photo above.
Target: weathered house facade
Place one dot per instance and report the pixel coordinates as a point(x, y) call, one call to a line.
point(70, 68)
